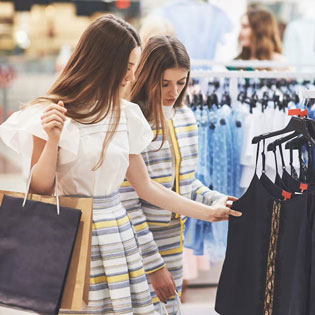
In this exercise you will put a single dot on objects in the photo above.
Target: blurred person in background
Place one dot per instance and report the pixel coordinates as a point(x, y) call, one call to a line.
point(259, 37)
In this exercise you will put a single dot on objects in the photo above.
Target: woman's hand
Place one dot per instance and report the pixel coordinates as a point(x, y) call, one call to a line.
point(53, 119)
point(226, 201)
point(44, 153)
point(163, 284)
point(221, 213)
point(222, 209)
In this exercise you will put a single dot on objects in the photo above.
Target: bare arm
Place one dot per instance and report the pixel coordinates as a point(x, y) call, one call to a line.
point(162, 197)
point(45, 152)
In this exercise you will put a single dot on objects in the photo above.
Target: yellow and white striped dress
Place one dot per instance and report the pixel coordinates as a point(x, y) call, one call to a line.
point(118, 283)
point(160, 232)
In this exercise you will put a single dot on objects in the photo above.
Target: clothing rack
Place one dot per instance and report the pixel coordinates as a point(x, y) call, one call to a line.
point(258, 74)
point(262, 74)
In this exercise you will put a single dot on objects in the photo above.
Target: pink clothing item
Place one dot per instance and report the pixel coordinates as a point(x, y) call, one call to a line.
point(192, 264)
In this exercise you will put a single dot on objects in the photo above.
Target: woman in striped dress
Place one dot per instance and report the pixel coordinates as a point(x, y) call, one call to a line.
point(89, 139)
point(161, 81)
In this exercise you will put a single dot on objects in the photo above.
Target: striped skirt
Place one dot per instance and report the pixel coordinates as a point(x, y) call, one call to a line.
point(118, 283)
point(169, 239)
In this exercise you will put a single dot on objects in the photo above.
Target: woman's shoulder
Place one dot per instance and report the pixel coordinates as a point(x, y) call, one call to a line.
point(125, 104)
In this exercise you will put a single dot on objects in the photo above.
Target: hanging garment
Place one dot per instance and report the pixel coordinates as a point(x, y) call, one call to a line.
point(205, 19)
point(261, 257)
point(301, 301)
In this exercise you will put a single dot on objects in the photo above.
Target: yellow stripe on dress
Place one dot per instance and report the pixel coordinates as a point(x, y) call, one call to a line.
point(160, 180)
point(187, 176)
point(117, 278)
point(111, 223)
point(186, 128)
point(201, 190)
point(140, 227)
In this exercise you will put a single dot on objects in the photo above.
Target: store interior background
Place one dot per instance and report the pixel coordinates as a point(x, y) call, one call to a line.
point(37, 37)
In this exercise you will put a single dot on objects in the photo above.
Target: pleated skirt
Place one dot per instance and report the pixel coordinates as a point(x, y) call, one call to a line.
point(118, 283)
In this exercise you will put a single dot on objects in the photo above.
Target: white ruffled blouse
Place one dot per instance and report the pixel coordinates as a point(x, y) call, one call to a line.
point(81, 146)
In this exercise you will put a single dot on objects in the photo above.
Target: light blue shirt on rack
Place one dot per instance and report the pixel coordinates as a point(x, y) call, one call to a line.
point(200, 26)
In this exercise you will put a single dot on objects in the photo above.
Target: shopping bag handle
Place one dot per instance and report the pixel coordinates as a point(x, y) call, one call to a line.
point(163, 309)
point(28, 188)
point(180, 306)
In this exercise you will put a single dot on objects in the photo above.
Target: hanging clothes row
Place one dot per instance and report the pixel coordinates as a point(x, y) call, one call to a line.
point(270, 259)
point(225, 129)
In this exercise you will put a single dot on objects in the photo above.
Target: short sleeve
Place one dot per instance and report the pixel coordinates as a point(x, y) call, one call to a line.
point(17, 131)
point(140, 134)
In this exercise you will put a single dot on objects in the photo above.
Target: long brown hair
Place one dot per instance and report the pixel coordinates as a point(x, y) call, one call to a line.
point(265, 35)
point(160, 53)
point(90, 82)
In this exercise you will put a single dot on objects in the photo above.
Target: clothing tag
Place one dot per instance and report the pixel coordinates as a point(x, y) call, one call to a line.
point(168, 112)
point(297, 112)
point(286, 195)
point(294, 112)
point(303, 113)
point(303, 187)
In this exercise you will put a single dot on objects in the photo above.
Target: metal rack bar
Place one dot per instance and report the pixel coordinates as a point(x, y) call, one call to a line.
point(251, 64)
point(263, 74)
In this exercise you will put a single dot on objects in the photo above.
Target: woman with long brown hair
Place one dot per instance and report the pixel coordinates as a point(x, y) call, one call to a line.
point(85, 143)
point(161, 82)
point(259, 35)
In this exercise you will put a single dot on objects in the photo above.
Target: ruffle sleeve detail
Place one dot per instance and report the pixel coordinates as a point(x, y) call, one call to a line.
point(17, 131)
point(140, 134)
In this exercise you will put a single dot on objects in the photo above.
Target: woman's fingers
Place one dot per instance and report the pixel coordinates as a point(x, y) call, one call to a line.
point(52, 117)
point(234, 213)
point(57, 107)
point(52, 125)
point(54, 112)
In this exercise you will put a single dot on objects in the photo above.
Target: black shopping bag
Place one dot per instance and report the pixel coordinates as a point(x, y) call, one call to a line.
point(35, 252)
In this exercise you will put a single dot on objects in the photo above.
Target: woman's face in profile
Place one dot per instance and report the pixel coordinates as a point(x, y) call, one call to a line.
point(244, 37)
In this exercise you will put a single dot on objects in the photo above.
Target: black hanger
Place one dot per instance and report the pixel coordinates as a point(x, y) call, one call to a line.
point(300, 125)
point(296, 144)
point(243, 98)
point(187, 100)
point(200, 100)
point(194, 101)
point(226, 99)
point(213, 99)
point(273, 145)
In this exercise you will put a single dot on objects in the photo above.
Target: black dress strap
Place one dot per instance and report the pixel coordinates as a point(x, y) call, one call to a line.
point(263, 157)
point(293, 171)
point(257, 155)
point(282, 159)
point(276, 162)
